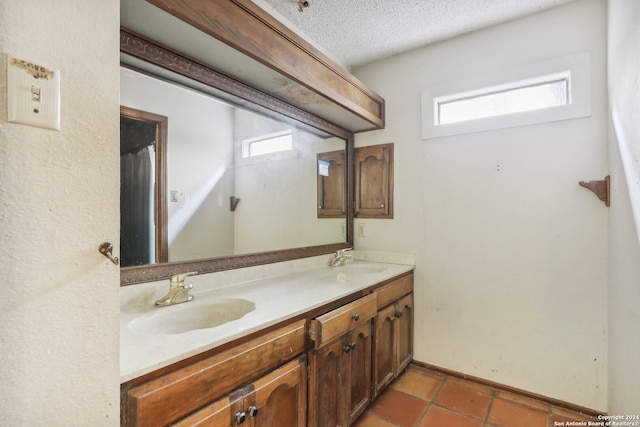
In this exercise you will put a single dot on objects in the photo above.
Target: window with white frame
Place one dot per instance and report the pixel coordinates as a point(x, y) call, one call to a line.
point(542, 92)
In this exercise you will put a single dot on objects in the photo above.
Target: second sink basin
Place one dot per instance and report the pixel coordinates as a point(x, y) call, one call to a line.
point(187, 317)
point(359, 269)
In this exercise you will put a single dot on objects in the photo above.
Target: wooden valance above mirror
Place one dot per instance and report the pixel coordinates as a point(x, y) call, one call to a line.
point(239, 39)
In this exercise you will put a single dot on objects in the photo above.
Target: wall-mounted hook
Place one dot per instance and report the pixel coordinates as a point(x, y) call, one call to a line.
point(600, 188)
point(106, 249)
point(233, 203)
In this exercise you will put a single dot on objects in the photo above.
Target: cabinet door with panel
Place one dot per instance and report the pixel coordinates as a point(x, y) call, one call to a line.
point(374, 181)
point(404, 314)
point(332, 200)
point(393, 332)
point(280, 399)
point(326, 401)
point(357, 366)
point(385, 348)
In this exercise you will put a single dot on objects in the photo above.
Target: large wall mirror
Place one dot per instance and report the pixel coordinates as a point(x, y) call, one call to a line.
point(217, 175)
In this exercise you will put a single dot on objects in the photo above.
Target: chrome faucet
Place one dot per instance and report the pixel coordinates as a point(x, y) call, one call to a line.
point(178, 291)
point(339, 257)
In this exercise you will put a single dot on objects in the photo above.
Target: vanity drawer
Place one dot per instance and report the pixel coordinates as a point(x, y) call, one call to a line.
point(336, 323)
point(166, 399)
point(394, 290)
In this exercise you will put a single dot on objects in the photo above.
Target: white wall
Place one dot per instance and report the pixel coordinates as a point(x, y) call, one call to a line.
point(624, 234)
point(200, 164)
point(58, 201)
point(278, 198)
point(511, 278)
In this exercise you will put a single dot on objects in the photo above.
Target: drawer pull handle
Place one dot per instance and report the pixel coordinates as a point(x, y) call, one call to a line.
point(252, 410)
point(356, 317)
point(240, 417)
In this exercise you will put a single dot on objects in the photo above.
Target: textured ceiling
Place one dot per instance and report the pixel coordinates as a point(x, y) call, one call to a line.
point(355, 32)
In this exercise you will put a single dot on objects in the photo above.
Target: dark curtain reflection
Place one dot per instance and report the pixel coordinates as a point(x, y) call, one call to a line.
point(136, 193)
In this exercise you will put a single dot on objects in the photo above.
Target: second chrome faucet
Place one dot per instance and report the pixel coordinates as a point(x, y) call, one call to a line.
point(340, 257)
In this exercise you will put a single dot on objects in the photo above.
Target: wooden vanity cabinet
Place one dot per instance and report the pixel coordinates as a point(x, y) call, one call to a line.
point(352, 353)
point(340, 364)
point(169, 398)
point(393, 331)
point(277, 399)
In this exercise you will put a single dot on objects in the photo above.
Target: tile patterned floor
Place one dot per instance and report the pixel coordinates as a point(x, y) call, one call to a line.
point(424, 398)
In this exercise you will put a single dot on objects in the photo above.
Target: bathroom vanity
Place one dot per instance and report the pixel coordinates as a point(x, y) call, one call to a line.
point(315, 349)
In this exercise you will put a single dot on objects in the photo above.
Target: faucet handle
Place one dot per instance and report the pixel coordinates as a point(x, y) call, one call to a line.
point(179, 279)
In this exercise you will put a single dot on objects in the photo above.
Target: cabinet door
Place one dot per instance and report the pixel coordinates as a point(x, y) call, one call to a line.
point(326, 399)
point(374, 181)
point(384, 348)
point(404, 314)
point(332, 201)
point(280, 398)
point(357, 362)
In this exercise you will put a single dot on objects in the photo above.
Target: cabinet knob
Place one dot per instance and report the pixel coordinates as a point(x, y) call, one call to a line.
point(382, 206)
point(355, 317)
point(346, 348)
point(352, 345)
point(240, 417)
point(398, 314)
point(252, 410)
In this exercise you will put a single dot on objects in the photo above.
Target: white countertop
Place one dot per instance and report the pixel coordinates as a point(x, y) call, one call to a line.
point(276, 298)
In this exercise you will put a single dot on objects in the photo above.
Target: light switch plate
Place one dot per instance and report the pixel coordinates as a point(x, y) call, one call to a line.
point(33, 93)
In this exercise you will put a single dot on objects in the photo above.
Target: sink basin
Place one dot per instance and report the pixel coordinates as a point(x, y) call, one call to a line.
point(187, 317)
point(360, 269)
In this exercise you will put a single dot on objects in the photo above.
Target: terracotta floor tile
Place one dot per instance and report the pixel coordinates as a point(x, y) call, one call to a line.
point(439, 417)
point(399, 408)
point(505, 413)
point(417, 384)
point(369, 419)
point(465, 400)
point(534, 403)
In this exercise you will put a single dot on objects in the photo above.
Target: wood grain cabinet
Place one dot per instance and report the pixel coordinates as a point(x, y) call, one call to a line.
point(332, 200)
point(167, 398)
point(340, 364)
point(374, 181)
point(275, 400)
point(393, 332)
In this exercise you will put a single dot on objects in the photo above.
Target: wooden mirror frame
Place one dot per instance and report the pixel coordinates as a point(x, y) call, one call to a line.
point(147, 50)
